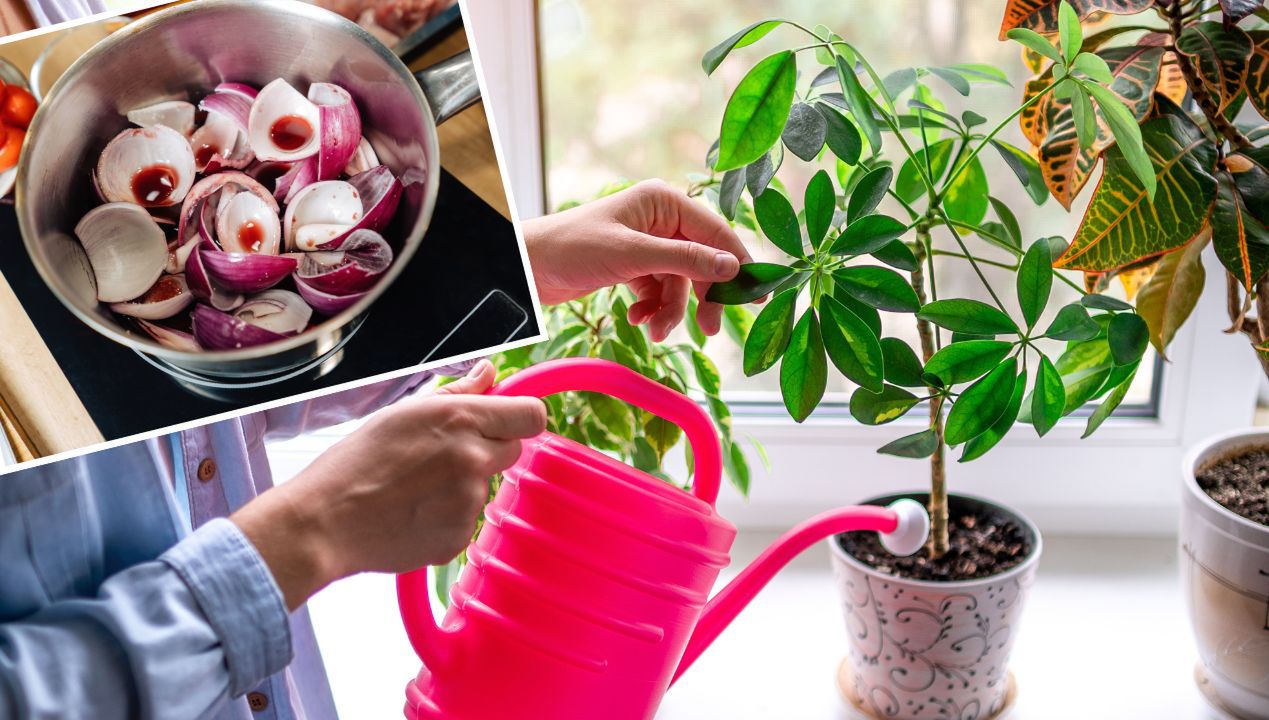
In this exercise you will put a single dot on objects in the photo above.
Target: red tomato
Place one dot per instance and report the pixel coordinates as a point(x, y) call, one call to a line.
point(19, 107)
point(11, 148)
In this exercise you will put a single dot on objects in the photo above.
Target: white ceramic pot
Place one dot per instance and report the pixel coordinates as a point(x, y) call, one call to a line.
point(1225, 575)
point(931, 650)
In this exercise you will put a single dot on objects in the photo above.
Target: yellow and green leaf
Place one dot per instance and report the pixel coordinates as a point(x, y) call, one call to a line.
point(1166, 301)
point(1221, 54)
point(1122, 224)
point(1258, 72)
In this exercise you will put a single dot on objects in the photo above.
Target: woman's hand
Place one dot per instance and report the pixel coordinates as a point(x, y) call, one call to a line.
point(401, 492)
point(650, 237)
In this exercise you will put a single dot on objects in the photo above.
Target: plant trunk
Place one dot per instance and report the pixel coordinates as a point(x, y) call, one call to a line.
point(938, 471)
point(1256, 329)
point(1208, 104)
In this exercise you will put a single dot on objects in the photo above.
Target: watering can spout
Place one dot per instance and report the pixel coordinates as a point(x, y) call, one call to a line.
point(904, 527)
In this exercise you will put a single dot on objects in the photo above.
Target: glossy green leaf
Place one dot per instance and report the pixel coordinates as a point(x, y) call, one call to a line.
point(804, 369)
point(752, 282)
point(1009, 222)
point(879, 287)
point(953, 79)
point(851, 345)
point(760, 172)
point(1097, 301)
point(1035, 281)
point(1085, 118)
point(779, 222)
point(869, 193)
point(867, 235)
point(980, 73)
point(820, 204)
point(917, 445)
point(1036, 42)
point(1026, 168)
point(978, 446)
point(1084, 368)
point(757, 111)
point(909, 185)
point(1127, 136)
point(964, 361)
point(1072, 36)
point(1109, 405)
point(1128, 336)
point(770, 333)
point(729, 191)
point(1048, 400)
point(982, 404)
point(747, 36)
point(968, 316)
point(965, 200)
point(1072, 323)
point(901, 363)
point(897, 254)
point(842, 137)
point(890, 404)
point(1241, 240)
point(1095, 67)
point(864, 312)
point(860, 103)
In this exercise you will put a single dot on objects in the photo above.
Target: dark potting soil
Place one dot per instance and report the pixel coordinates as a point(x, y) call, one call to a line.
point(981, 542)
point(1241, 484)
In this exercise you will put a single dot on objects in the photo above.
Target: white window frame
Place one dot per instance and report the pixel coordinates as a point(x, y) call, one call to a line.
point(1123, 480)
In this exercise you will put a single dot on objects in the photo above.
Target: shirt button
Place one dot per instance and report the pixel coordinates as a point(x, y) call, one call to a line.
point(206, 470)
point(257, 701)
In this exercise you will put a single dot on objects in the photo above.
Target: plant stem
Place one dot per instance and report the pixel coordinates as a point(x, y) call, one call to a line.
point(938, 474)
point(1257, 330)
point(1005, 245)
point(1209, 106)
point(985, 261)
point(972, 262)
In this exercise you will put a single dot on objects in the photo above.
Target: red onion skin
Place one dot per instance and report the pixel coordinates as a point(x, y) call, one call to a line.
point(340, 128)
point(215, 330)
point(204, 189)
point(246, 272)
point(325, 303)
point(380, 192)
point(302, 174)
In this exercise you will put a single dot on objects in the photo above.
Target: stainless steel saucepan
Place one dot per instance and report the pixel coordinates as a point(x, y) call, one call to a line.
point(182, 53)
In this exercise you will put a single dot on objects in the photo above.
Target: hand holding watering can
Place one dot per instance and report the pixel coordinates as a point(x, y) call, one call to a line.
point(587, 592)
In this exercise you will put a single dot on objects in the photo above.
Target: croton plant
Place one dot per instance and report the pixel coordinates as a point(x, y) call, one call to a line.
point(888, 141)
point(1186, 70)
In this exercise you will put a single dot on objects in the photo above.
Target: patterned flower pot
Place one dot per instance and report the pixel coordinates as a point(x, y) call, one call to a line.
point(923, 650)
point(1225, 576)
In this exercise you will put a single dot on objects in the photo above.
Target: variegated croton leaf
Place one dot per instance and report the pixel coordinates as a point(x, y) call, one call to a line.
point(1221, 54)
point(1122, 225)
point(1258, 72)
point(1065, 165)
point(1236, 10)
point(1238, 220)
point(1042, 15)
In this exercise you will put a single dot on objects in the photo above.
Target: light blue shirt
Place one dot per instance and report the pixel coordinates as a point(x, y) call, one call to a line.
point(111, 608)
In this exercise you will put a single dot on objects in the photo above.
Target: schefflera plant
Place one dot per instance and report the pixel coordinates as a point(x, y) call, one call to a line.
point(979, 366)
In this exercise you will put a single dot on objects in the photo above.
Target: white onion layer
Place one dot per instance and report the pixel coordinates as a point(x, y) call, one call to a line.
point(126, 248)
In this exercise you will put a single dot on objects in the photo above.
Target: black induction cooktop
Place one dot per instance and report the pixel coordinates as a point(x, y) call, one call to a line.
point(464, 290)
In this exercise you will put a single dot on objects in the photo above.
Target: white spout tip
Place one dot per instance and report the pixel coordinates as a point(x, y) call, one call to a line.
point(911, 532)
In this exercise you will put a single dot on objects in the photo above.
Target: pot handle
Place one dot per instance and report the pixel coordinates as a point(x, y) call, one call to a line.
point(450, 86)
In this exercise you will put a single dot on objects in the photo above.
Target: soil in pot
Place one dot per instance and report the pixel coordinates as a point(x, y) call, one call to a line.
point(1240, 483)
point(982, 542)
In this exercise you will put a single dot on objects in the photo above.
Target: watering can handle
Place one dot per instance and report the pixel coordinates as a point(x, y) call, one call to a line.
point(549, 378)
point(609, 378)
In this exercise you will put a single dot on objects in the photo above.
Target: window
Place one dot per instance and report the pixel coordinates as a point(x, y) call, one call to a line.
point(603, 107)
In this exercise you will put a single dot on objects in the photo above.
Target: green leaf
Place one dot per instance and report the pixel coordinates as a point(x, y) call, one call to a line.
point(1104, 302)
point(964, 361)
point(1168, 298)
point(779, 222)
point(614, 415)
point(756, 112)
point(917, 445)
point(898, 81)
point(965, 199)
point(955, 80)
point(972, 119)
point(860, 103)
point(748, 36)
point(864, 312)
point(869, 193)
point(978, 446)
point(563, 339)
point(1084, 368)
point(897, 254)
point(770, 333)
point(805, 131)
point(982, 403)
point(981, 72)
point(821, 202)
point(1009, 222)
point(851, 345)
point(1069, 30)
point(867, 234)
point(1085, 118)
point(901, 363)
point(1240, 239)
point(759, 173)
point(968, 316)
point(1127, 136)
point(729, 192)
point(752, 282)
point(661, 434)
point(737, 467)
point(1109, 405)
point(842, 138)
point(879, 287)
point(1048, 400)
point(909, 185)
point(1122, 224)
point(804, 369)
point(1094, 67)
point(872, 408)
point(1128, 336)
point(1036, 42)
point(707, 375)
point(1035, 281)
point(1026, 168)
point(1072, 323)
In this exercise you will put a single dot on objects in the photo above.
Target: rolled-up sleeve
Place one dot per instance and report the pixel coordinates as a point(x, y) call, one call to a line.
point(171, 638)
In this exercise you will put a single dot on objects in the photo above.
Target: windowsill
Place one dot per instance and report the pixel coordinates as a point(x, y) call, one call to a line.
point(1105, 636)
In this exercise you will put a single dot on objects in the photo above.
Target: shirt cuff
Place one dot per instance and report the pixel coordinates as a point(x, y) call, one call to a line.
point(240, 598)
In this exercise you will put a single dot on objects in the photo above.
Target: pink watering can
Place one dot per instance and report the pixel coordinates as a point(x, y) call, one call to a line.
point(586, 593)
